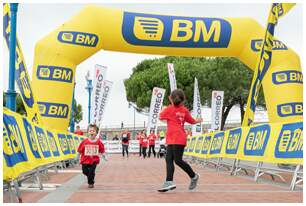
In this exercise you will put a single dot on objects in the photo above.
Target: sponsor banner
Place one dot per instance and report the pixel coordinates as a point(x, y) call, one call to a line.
point(97, 92)
point(27, 146)
point(265, 59)
point(175, 31)
point(107, 86)
point(21, 74)
point(78, 38)
point(116, 146)
point(155, 108)
point(272, 143)
point(216, 109)
point(158, 34)
point(172, 78)
point(197, 112)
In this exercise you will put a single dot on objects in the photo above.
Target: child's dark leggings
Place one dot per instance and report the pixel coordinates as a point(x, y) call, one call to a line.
point(89, 171)
point(144, 152)
point(175, 154)
point(140, 150)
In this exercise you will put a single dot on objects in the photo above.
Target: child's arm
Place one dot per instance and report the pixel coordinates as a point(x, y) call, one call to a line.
point(81, 147)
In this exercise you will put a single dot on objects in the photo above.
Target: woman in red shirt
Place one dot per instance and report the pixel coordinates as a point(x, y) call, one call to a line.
point(140, 138)
point(176, 115)
point(152, 138)
point(144, 145)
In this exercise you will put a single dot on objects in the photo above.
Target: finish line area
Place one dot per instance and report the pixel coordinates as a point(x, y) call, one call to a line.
point(135, 179)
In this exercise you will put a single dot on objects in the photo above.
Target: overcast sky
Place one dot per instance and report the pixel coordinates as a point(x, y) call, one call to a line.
point(37, 20)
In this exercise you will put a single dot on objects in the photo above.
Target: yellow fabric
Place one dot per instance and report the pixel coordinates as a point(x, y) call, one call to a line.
point(94, 28)
point(274, 143)
point(27, 146)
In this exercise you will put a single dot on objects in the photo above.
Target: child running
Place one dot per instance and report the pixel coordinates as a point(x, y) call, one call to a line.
point(176, 115)
point(89, 149)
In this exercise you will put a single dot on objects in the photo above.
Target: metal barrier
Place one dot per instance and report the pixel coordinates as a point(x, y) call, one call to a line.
point(259, 170)
point(13, 186)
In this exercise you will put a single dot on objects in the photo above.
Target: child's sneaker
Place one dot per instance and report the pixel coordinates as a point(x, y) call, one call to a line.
point(168, 185)
point(193, 182)
point(90, 186)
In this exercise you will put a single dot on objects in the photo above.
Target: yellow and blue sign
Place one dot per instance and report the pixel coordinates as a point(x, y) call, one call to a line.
point(169, 31)
point(54, 73)
point(78, 38)
point(55, 110)
point(125, 31)
point(27, 146)
point(273, 143)
point(290, 109)
point(21, 75)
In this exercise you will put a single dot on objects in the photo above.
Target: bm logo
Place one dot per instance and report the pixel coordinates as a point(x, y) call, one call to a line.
point(78, 38)
point(256, 141)
point(54, 73)
point(55, 110)
point(277, 45)
point(173, 31)
point(290, 109)
point(289, 76)
point(290, 141)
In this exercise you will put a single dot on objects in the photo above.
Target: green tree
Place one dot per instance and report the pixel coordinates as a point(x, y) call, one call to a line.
point(221, 73)
point(78, 113)
point(19, 104)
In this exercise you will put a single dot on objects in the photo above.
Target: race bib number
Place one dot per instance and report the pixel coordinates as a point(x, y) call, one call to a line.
point(91, 150)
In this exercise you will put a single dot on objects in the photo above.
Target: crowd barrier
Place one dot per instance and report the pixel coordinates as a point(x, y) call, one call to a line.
point(273, 143)
point(115, 146)
point(276, 143)
point(27, 146)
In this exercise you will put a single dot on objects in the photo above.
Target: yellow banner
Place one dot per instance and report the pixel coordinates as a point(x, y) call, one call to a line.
point(27, 146)
point(94, 28)
point(21, 73)
point(264, 60)
point(273, 143)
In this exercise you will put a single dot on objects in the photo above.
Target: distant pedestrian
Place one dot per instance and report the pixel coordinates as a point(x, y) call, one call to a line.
point(89, 149)
point(78, 131)
point(176, 115)
point(144, 145)
point(125, 139)
point(139, 137)
point(152, 138)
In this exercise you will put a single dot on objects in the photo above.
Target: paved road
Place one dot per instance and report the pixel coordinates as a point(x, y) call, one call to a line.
point(137, 180)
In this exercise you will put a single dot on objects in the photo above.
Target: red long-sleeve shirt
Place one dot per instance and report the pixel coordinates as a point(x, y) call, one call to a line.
point(176, 116)
point(89, 150)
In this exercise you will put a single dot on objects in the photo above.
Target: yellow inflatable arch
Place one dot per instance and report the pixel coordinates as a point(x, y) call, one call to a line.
point(96, 28)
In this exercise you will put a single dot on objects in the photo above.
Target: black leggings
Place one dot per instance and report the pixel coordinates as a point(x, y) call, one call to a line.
point(153, 149)
point(175, 154)
point(89, 171)
point(125, 148)
point(144, 152)
point(140, 150)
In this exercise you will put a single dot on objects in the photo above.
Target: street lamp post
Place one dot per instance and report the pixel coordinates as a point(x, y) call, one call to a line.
point(131, 105)
point(89, 88)
point(72, 112)
point(11, 93)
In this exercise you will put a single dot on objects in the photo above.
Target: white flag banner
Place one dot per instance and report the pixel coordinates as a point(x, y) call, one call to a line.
point(171, 77)
point(155, 108)
point(196, 128)
point(216, 109)
point(107, 86)
point(99, 77)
